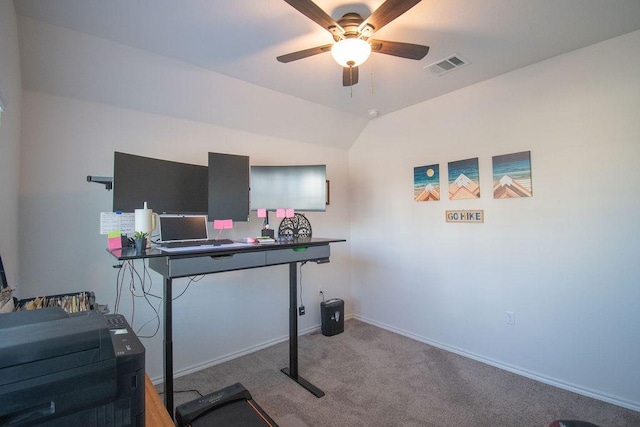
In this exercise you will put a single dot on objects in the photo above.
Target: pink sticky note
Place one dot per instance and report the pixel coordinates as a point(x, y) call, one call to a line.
point(114, 241)
point(227, 223)
point(262, 213)
point(218, 224)
point(289, 213)
point(280, 213)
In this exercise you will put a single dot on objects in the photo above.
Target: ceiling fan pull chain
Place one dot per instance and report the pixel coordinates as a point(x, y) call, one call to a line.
point(371, 83)
point(351, 80)
point(371, 75)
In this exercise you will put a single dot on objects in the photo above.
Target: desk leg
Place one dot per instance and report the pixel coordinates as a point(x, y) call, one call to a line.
point(292, 371)
point(168, 347)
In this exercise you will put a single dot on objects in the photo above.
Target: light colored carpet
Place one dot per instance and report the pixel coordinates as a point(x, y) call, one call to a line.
point(373, 377)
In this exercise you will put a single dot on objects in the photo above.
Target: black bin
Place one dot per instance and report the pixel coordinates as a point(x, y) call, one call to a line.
point(332, 314)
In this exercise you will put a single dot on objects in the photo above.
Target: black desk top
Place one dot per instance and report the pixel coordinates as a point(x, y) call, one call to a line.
point(154, 252)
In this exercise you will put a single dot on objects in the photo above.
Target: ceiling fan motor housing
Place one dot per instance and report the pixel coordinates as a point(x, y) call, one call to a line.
point(350, 25)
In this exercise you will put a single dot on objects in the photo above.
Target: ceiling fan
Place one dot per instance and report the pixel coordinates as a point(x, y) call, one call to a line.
point(352, 36)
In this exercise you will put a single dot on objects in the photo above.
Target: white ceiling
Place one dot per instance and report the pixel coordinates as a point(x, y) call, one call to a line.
point(242, 38)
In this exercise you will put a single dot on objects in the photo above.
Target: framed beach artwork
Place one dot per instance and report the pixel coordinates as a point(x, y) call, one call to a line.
point(426, 183)
point(464, 179)
point(512, 175)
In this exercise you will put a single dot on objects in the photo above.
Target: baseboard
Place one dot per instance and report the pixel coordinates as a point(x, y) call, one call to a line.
point(634, 406)
point(234, 355)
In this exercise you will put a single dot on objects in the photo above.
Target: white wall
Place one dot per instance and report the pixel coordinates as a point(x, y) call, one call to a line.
point(565, 261)
point(65, 139)
point(10, 93)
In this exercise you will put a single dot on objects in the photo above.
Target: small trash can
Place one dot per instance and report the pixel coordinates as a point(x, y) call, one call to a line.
point(332, 313)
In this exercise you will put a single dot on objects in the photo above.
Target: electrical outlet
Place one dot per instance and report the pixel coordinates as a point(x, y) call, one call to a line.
point(511, 318)
point(301, 310)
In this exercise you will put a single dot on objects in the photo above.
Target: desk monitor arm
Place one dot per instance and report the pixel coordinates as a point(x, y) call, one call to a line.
point(106, 180)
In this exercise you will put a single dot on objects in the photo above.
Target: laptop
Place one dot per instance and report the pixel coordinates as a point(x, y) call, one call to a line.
point(182, 228)
point(185, 231)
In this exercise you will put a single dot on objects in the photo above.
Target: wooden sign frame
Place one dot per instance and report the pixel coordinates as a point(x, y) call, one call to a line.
point(474, 216)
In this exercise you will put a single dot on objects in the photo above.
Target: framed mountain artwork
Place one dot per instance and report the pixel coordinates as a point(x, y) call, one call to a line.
point(464, 179)
point(512, 175)
point(426, 183)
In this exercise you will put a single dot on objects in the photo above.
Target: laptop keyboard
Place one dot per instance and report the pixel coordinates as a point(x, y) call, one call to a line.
point(211, 242)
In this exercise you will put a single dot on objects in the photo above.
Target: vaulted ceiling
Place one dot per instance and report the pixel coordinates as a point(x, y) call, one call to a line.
point(241, 39)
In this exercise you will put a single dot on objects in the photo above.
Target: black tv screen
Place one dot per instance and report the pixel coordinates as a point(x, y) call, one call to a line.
point(166, 186)
point(228, 187)
point(302, 188)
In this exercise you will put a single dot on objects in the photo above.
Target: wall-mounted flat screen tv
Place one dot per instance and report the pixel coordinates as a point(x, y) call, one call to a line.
point(166, 186)
point(303, 188)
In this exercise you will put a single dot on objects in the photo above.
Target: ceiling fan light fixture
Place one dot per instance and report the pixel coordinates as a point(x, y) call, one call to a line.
point(351, 52)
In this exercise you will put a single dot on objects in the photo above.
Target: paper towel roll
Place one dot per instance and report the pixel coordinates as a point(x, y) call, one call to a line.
point(143, 220)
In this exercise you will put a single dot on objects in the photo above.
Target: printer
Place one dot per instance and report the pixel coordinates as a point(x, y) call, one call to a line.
point(60, 369)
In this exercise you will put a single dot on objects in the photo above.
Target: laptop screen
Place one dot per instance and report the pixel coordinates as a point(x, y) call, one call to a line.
point(183, 228)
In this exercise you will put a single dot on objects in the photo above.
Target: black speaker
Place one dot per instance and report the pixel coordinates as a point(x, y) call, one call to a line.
point(332, 313)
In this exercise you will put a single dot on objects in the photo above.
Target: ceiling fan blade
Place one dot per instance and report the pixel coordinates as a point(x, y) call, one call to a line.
point(294, 56)
point(349, 76)
point(387, 12)
point(403, 50)
point(313, 12)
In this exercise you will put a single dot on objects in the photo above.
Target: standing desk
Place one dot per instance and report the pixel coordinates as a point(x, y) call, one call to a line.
point(174, 265)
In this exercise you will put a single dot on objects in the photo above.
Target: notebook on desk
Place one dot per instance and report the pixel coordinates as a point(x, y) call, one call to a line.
point(184, 232)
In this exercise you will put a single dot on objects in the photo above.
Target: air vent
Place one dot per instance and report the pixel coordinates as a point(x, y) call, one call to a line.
point(448, 64)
